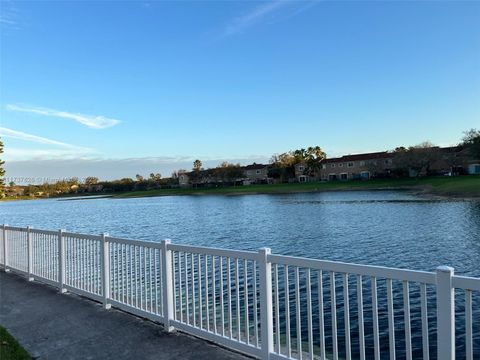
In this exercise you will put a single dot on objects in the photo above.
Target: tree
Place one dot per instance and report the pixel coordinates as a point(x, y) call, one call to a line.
point(229, 172)
point(2, 173)
point(471, 141)
point(197, 165)
point(139, 177)
point(416, 160)
point(91, 180)
point(283, 165)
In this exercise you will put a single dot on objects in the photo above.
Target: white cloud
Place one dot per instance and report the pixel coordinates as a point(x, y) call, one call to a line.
point(19, 135)
point(240, 23)
point(39, 155)
point(91, 121)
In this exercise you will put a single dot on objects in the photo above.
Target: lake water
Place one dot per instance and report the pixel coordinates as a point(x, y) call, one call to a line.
point(388, 228)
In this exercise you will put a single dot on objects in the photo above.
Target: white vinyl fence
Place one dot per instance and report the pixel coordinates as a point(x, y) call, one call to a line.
point(268, 306)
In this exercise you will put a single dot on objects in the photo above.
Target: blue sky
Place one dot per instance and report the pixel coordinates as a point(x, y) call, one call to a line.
point(115, 88)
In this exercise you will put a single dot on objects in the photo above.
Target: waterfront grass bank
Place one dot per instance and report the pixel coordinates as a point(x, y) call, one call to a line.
point(462, 186)
point(10, 349)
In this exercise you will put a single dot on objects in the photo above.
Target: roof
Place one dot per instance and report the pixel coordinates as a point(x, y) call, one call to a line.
point(359, 157)
point(255, 167)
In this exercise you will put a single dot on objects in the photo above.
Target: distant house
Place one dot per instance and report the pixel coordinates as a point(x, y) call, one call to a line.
point(256, 172)
point(358, 166)
point(300, 173)
point(183, 179)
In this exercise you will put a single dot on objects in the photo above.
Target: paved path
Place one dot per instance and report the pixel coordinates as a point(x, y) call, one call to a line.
point(54, 326)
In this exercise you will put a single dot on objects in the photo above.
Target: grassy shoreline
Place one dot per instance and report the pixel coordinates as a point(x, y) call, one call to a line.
point(456, 187)
point(461, 187)
point(10, 349)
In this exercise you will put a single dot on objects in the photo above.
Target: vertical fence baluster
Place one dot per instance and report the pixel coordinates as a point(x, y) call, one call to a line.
point(376, 339)
point(323, 355)
point(361, 326)
point(214, 297)
point(29, 254)
point(334, 315)
point(468, 325)
point(391, 319)
point(105, 251)
point(445, 313)
point(424, 310)
point(255, 301)
point(200, 292)
point(207, 288)
point(309, 314)
point(229, 288)
point(5, 248)
point(180, 281)
point(287, 314)
point(246, 307)
point(406, 315)
point(298, 314)
point(61, 261)
point(192, 276)
point(222, 306)
point(266, 302)
point(237, 302)
point(167, 283)
point(346, 310)
point(277, 310)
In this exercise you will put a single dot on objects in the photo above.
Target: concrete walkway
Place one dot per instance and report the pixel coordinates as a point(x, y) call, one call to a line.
point(54, 326)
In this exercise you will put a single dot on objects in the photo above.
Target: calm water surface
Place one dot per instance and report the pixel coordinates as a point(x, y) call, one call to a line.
point(376, 227)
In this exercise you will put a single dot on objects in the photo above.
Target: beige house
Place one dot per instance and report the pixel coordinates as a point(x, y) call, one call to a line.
point(300, 174)
point(183, 179)
point(256, 172)
point(359, 166)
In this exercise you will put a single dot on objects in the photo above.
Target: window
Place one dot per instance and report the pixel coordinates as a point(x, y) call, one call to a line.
point(333, 165)
point(324, 166)
point(301, 168)
point(343, 176)
point(388, 161)
point(362, 163)
point(258, 172)
point(350, 164)
point(340, 165)
point(365, 175)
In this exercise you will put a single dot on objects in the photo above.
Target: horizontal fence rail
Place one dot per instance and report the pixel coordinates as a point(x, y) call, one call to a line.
point(265, 305)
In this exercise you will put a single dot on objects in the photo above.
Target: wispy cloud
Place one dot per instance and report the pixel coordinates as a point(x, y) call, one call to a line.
point(241, 23)
point(9, 16)
point(91, 121)
point(19, 135)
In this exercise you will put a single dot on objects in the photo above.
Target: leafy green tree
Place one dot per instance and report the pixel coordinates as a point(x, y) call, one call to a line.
point(229, 172)
point(471, 141)
point(197, 165)
point(91, 180)
point(2, 173)
point(416, 159)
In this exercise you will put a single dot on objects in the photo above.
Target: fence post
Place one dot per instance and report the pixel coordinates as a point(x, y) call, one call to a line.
point(105, 252)
point(445, 313)
point(61, 261)
point(5, 249)
point(29, 253)
point(266, 311)
point(167, 281)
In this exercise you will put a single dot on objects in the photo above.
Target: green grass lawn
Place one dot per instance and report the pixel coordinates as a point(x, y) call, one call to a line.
point(10, 349)
point(462, 186)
